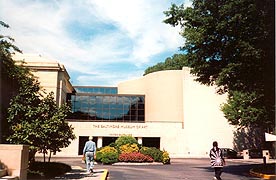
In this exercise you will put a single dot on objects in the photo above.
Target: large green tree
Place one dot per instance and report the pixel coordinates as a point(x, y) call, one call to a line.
point(176, 62)
point(230, 43)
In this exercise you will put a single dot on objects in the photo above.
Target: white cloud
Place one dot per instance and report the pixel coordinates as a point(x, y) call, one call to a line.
point(137, 33)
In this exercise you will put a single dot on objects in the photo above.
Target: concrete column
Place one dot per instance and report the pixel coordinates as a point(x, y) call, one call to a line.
point(15, 158)
point(266, 155)
point(140, 140)
point(246, 154)
point(100, 142)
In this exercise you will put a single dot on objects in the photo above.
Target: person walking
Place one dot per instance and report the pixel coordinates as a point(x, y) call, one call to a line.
point(217, 160)
point(89, 152)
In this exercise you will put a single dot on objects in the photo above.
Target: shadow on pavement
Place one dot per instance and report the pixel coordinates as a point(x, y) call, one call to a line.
point(241, 170)
point(80, 174)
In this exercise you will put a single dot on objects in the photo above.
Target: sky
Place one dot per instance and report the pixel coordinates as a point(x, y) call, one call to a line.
point(100, 42)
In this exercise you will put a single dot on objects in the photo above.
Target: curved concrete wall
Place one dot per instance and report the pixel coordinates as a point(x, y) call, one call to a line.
point(163, 92)
point(175, 97)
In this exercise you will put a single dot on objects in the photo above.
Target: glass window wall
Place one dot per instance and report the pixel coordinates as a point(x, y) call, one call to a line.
point(117, 108)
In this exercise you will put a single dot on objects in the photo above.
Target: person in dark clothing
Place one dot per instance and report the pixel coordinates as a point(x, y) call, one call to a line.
point(217, 160)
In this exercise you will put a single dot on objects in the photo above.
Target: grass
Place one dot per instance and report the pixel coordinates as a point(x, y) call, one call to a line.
point(45, 170)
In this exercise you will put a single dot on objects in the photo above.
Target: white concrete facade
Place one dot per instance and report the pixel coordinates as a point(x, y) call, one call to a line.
point(53, 76)
point(183, 113)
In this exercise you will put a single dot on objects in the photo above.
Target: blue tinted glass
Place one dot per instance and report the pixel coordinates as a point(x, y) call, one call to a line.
point(106, 107)
point(107, 91)
point(99, 99)
point(119, 106)
point(112, 99)
point(126, 107)
point(98, 106)
point(76, 106)
point(92, 99)
point(92, 112)
point(98, 112)
point(113, 106)
point(97, 90)
point(106, 99)
point(127, 100)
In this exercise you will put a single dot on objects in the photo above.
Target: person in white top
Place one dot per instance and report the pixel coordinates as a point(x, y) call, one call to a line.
point(217, 160)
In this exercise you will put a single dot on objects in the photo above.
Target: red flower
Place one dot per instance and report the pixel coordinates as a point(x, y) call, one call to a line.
point(134, 157)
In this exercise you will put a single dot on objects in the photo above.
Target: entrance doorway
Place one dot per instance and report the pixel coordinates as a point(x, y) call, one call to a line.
point(108, 140)
point(82, 140)
point(151, 142)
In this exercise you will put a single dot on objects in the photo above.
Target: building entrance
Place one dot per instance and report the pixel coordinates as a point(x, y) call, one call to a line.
point(151, 142)
point(82, 140)
point(108, 140)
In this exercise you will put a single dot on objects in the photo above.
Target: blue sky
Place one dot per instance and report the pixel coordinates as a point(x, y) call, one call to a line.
point(100, 42)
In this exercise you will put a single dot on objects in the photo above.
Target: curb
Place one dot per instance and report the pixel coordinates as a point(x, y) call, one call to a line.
point(105, 175)
point(260, 175)
point(135, 164)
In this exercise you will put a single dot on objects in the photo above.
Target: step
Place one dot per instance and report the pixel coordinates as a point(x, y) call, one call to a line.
point(9, 178)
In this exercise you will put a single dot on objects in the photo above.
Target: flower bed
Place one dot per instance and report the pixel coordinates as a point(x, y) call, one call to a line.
point(134, 157)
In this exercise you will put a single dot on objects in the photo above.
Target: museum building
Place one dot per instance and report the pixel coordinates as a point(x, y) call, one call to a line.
point(166, 109)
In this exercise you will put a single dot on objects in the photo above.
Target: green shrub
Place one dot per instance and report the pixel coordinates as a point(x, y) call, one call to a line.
point(166, 158)
point(129, 148)
point(126, 139)
point(112, 144)
point(153, 152)
point(109, 158)
point(107, 155)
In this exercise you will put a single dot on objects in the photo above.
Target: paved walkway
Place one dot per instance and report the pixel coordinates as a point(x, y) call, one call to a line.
point(78, 172)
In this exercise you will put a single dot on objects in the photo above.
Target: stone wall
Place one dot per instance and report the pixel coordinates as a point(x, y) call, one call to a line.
point(15, 159)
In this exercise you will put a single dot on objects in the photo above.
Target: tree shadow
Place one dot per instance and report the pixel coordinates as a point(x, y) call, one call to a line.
point(248, 138)
point(252, 138)
point(79, 174)
point(240, 170)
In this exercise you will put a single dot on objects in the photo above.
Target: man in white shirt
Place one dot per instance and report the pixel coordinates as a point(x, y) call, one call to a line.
point(89, 151)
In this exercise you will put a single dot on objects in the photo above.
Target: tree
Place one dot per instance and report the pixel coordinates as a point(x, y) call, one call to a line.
point(24, 117)
point(55, 132)
point(33, 119)
point(176, 62)
point(37, 121)
point(6, 45)
point(230, 43)
point(8, 78)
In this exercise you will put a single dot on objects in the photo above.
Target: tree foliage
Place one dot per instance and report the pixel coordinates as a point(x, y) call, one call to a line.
point(230, 43)
point(6, 45)
point(176, 62)
point(7, 48)
point(125, 139)
point(33, 117)
point(37, 121)
point(55, 131)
